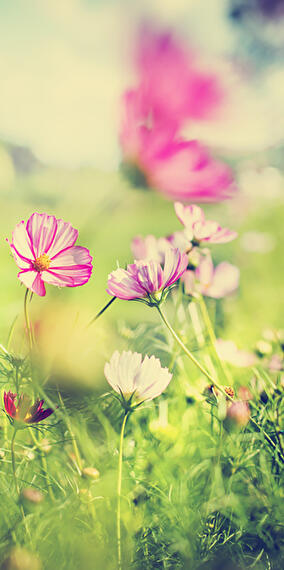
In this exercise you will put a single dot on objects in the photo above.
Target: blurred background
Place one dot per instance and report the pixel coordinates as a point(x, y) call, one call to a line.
point(64, 68)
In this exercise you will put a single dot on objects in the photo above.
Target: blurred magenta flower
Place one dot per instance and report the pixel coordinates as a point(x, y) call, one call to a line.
point(171, 90)
point(146, 279)
point(134, 379)
point(23, 411)
point(193, 218)
point(212, 282)
point(172, 79)
point(179, 169)
point(44, 250)
point(185, 170)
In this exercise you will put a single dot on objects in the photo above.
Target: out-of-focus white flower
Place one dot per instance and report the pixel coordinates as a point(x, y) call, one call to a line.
point(135, 379)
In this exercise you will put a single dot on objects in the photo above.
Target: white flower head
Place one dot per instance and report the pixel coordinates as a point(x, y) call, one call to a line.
point(135, 379)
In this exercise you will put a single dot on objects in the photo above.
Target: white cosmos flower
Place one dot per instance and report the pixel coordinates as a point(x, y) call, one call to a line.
point(129, 375)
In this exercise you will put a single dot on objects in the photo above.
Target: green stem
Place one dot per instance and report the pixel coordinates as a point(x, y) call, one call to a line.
point(101, 311)
point(74, 442)
point(27, 319)
point(43, 463)
point(212, 337)
point(188, 353)
point(212, 380)
point(14, 461)
point(119, 480)
point(16, 482)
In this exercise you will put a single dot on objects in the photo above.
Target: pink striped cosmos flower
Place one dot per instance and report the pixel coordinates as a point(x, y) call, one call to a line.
point(45, 252)
point(146, 279)
point(193, 218)
point(136, 380)
point(23, 411)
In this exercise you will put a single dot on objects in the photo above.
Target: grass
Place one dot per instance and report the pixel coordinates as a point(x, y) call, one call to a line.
point(196, 491)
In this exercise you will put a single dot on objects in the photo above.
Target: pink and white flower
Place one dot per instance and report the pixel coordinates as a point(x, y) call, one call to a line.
point(136, 379)
point(147, 279)
point(213, 282)
point(45, 252)
point(202, 230)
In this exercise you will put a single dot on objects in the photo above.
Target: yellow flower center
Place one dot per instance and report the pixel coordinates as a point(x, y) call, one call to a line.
point(42, 262)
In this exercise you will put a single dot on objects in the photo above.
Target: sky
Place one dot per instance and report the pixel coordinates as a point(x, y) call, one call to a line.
point(64, 65)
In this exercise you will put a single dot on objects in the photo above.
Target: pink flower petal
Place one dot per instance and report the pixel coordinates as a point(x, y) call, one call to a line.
point(33, 281)
point(21, 262)
point(149, 275)
point(225, 280)
point(68, 276)
point(65, 237)
point(41, 229)
point(204, 272)
point(72, 256)
point(21, 242)
point(188, 215)
point(175, 265)
point(184, 171)
point(123, 284)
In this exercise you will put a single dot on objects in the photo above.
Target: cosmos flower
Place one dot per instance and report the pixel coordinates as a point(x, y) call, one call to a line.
point(185, 170)
point(171, 90)
point(45, 252)
point(146, 279)
point(135, 379)
point(179, 169)
point(23, 411)
point(172, 78)
point(193, 218)
point(213, 282)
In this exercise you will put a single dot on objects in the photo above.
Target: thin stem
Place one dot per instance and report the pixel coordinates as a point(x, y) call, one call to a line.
point(27, 319)
point(119, 480)
point(14, 461)
point(74, 442)
point(212, 380)
point(43, 463)
point(188, 353)
point(16, 482)
point(212, 337)
point(101, 311)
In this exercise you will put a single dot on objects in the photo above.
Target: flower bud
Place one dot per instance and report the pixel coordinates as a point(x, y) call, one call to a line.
point(91, 473)
point(238, 413)
point(21, 559)
point(31, 495)
point(45, 445)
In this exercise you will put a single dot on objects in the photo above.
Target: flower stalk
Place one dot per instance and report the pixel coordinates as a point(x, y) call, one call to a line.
point(14, 461)
point(212, 380)
point(119, 483)
point(27, 320)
